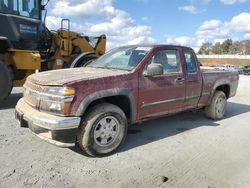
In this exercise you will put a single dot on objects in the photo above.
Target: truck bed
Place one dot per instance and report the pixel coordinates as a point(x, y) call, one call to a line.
point(212, 77)
point(212, 69)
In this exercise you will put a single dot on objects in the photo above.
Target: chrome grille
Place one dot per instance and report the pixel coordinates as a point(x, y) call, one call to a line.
point(30, 93)
point(34, 87)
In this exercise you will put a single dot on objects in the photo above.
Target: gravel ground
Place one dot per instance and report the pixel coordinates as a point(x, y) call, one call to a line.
point(186, 150)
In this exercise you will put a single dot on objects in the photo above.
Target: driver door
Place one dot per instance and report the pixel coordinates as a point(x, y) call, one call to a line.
point(162, 94)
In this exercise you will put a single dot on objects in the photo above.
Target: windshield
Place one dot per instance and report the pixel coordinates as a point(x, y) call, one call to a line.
point(124, 58)
point(27, 8)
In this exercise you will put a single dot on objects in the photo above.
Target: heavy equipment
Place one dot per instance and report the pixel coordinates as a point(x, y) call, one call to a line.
point(27, 46)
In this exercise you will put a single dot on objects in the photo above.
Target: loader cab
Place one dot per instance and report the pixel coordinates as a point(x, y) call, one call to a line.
point(21, 23)
point(25, 8)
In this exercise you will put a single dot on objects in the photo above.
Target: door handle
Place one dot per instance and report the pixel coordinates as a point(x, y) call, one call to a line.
point(180, 80)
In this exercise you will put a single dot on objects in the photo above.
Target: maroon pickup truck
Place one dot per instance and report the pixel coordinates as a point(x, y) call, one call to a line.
point(93, 106)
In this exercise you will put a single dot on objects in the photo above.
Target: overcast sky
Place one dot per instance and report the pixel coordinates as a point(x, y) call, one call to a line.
point(185, 22)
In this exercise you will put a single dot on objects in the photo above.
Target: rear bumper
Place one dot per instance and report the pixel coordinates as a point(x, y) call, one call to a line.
point(57, 130)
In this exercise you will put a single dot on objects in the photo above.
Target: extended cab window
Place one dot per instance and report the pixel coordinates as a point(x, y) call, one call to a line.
point(169, 59)
point(191, 64)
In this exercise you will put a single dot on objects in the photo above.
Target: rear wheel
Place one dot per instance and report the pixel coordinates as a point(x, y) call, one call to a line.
point(103, 130)
point(217, 107)
point(6, 81)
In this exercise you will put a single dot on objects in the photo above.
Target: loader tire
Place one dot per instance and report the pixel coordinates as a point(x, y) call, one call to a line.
point(82, 60)
point(6, 81)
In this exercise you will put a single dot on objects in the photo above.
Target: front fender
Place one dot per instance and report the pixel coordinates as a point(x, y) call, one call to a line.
point(108, 93)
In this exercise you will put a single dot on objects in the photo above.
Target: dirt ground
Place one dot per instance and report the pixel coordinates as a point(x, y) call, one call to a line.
point(218, 61)
point(186, 150)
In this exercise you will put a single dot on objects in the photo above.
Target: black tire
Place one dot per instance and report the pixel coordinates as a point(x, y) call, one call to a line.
point(97, 127)
point(6, 81)
point(217, 107)
point(81, 60)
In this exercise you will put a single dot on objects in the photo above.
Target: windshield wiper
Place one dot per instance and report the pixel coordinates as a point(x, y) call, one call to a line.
point(101, 67)
point(113, 68)
point(107, 67)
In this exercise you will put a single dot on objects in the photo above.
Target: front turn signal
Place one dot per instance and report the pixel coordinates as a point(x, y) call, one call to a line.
point(69, 91)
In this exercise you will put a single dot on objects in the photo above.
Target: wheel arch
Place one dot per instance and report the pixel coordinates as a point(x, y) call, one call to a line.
point(224, 86)
point(123, 98)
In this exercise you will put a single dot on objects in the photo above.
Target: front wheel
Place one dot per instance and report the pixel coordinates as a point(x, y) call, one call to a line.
point(217, 107)
point(103, 130)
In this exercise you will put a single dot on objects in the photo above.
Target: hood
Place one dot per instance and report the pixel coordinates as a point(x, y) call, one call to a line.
point(64, 76)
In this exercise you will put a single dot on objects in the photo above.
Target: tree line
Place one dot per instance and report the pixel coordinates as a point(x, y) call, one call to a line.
point(226, 47)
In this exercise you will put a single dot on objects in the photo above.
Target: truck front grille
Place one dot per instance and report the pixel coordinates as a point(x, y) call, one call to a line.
point(31, 93)
point(34, 87)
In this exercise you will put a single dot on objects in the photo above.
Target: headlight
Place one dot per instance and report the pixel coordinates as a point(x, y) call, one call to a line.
point(56, 107)
point(60, 91)
point(57, 100)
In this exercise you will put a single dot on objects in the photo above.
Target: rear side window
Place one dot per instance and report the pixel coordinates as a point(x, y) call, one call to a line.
point(191, 64)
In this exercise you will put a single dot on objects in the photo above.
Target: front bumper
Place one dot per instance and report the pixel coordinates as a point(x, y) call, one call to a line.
point(57, 130)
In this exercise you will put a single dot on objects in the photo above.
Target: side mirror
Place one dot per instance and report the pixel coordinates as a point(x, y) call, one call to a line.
point(154, 69)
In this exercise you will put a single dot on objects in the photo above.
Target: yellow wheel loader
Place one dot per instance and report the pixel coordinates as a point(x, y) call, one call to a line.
point(27, 46)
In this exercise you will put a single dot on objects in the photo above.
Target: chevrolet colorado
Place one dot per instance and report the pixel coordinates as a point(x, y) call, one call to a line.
point(93, 105)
